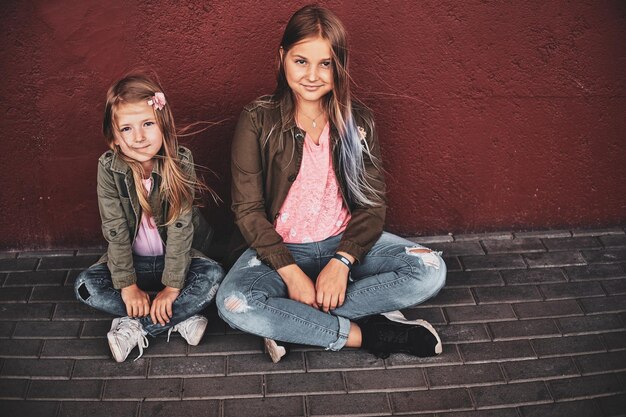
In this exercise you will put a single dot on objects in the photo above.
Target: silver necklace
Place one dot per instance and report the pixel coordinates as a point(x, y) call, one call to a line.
point(314, 123)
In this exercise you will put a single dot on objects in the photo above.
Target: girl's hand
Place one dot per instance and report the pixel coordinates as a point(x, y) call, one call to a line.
point(161, 310)
point(331, 284)
point(299, 285)
point(137, 301)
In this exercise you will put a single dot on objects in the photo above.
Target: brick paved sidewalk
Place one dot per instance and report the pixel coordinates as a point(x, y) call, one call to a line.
point(533, 324)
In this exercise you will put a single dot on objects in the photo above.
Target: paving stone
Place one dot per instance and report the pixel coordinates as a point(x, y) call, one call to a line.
point(613, 405)
point(450, 356)
point(13, 388)
point(188, 366)
point(431, 400)
point(590, 324)
point(385, 380)
point(64, 390)
point(342, 360)
point(3, 277)
point(473, 279)
point(463, 333)
point(35, 278)
point(605, 256)
point(423, 240)
point(518, 393)
point(584, 408)
point(602, 363)
point(223, 387)
point(598, 271)
point(483, 236)
point(46, 329)
point(458, 248)
point(552, 259)
point(479, 313)
point(265, 407)
point(451, 296)
point(259, 363)
point(229, 344)
point(585, 387)
point(29, 408)
point(194, 408)
point(513, 246)
point(57, 294)
point(6, 329)
point(13, 255)
point(497, 351)
point(305, 383)
point(543, 234)
point(615, 340)
point(15, 295)
point(615, 286)
point(26, 311)
point(460, 375)
point(507, 294)
point(613, 240)
point(79, 311)
point(68, 262)
point(99, 409)
point(567, 345)
point(97, 250)
point(504, 261)
point(598, 232)
point(20, 348)
point(572, 243)
point(46, 253)
point(98, 328)
point(140, 389)
point(499, 412)
point(533, 276)
point(540, 369)
point(452, 263)
point(558, 308)
point(610, 304)
point(14, 264)
point(108, 368)
point(571, 290)
point(159, 346)
point(522, 329)
point(433, 315)
point(49, 368)
point(77, 348)
point(71, 278)
point(349, 404)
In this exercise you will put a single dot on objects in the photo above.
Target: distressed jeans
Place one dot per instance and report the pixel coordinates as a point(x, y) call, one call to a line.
point(94, 287)
point(390, 277)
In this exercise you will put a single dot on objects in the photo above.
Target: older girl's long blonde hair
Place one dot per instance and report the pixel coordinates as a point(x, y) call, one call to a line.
point(177, 186)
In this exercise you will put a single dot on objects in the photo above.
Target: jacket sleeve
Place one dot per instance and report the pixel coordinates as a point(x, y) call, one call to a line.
point(366, 223)
point(115, 230)
point(248, 200)
point(179, 238)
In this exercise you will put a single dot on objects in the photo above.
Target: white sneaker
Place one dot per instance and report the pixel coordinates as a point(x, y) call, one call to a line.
point(191, 329)
point(125, 334)
point(273, 349)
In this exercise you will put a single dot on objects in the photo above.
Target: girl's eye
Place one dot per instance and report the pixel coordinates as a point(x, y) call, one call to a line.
point(326, 64)
point(300, 61)
point(148, 124)
point(125, 129)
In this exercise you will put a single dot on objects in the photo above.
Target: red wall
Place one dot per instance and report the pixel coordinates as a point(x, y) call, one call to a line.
point(492, 115)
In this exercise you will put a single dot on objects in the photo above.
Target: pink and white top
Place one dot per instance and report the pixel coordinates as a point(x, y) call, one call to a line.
point(148, 241)
point(314, 209)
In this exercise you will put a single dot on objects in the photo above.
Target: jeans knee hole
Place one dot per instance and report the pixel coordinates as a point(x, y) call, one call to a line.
point(83, 292)
point(236, 303)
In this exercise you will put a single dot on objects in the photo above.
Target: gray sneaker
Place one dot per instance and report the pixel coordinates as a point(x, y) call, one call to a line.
point(191, 329)
point(125, 334)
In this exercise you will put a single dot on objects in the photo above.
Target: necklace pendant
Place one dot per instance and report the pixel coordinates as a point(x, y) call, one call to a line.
point(314, 124)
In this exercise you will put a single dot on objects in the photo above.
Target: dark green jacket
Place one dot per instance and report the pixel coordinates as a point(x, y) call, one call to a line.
point(120, 212)
point(265, 161)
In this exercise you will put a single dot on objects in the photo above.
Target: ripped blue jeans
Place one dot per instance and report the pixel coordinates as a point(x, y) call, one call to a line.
point(393, 275)
point(94, 287)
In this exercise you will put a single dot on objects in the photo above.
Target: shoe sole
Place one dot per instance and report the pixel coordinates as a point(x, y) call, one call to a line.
point(398, 317)
point(115, 349)
point(275, 351)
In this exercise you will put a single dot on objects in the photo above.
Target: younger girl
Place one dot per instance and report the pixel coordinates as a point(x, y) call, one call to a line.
point(146, 185)
point(308, 195)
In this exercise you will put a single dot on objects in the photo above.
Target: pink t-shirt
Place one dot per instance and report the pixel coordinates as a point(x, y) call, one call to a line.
point(314, 209)
point(148, 241)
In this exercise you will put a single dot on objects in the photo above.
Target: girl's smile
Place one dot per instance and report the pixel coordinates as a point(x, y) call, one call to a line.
point(309, 69)
point(138, 134)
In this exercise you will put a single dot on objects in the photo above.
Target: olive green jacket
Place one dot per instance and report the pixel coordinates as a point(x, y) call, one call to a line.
point(120, 211)
point(266, 156)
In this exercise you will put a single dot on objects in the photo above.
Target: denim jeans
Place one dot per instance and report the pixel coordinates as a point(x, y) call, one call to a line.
point(390, 277)
point(95, 288)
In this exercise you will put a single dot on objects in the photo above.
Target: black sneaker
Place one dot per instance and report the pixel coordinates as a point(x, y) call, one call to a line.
point(392, 333)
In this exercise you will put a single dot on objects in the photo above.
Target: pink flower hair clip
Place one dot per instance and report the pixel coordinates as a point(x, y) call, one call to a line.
point(157, 101)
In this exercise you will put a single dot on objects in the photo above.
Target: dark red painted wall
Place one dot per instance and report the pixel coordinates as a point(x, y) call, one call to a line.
point(492, 115)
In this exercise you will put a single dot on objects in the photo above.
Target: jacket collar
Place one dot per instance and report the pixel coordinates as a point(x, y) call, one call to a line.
point(118, 165)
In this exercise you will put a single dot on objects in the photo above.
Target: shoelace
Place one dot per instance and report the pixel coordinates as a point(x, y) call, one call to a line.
point(142, 343)
point(169, 332)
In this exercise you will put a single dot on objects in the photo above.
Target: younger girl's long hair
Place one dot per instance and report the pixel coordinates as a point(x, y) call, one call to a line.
point(177, 186)
point(314, 21)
